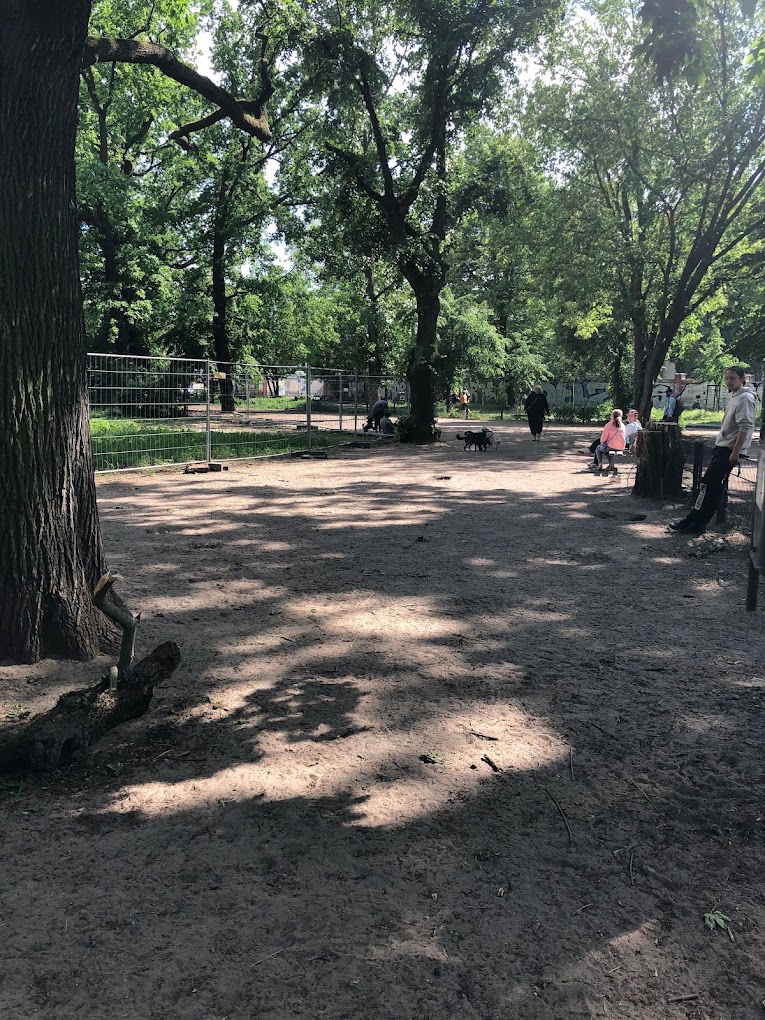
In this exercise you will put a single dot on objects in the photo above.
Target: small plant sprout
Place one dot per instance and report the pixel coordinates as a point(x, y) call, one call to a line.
point(716, 919)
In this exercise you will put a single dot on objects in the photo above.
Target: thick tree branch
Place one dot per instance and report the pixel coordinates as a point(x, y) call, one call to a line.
point(353, 162)
point(249, 116)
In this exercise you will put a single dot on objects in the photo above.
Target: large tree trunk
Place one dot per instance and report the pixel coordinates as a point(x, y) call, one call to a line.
point(660, 460)
point(220, 320)
point(650, 353)
point(374, 354)
point(421, 371)
point(50, 544)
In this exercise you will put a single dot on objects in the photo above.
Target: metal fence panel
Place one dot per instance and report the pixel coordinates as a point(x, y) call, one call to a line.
point(737, 505)
point(148, 411)
point(258, 410)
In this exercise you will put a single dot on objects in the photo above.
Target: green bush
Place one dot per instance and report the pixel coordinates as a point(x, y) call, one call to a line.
point(407, 433)
point(586, 414)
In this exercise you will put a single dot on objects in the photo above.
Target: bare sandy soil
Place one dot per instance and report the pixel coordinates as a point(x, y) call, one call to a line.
point(452, 738)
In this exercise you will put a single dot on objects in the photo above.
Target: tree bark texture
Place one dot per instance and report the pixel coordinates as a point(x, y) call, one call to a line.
point(660, 461)
point(649, 357)
point(220, 320)
point(374, 354)
point(421, 371)
point(50, 544)
point(80, 718)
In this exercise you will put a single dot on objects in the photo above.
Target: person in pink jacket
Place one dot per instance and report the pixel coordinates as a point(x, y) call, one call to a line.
point(611, 438)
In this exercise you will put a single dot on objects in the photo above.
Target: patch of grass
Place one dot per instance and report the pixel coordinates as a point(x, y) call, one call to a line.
point(131, 444)
point(701, 417)
point(14, 713)
point(698, 417)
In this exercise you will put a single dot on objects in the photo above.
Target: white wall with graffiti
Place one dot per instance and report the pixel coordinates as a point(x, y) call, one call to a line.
point(693, 394)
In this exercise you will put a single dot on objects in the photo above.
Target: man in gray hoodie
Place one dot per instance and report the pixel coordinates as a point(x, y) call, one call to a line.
point(732, 441)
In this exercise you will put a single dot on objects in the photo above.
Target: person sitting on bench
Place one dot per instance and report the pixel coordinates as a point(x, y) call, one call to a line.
point(632, 427)
point(611, 438)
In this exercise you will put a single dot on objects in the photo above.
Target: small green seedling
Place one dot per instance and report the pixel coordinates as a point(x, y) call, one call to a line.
point(716, 919)
point(16, 713)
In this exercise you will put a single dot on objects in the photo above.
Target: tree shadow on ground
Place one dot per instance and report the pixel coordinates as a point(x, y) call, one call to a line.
point(345, 876)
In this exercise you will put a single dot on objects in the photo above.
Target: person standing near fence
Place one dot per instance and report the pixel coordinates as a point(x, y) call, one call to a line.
point(733, 440)
point(465, 402)
point(536, 407)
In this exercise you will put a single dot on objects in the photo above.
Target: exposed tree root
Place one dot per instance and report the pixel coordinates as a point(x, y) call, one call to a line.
point(80, 718)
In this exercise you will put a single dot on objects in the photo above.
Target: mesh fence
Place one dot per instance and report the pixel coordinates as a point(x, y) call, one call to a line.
point(737, 504)
point(146, 412)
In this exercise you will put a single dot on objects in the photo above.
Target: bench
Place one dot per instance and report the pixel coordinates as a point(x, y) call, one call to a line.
point(612, 455)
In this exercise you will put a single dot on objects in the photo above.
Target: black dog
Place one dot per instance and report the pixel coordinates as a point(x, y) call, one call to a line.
point(478, 440)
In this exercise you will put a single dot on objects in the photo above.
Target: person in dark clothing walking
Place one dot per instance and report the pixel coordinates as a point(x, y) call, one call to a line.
point(732, 441)
point(536, 407)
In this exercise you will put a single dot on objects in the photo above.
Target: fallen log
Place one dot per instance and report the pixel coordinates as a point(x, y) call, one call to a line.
point(80, 718)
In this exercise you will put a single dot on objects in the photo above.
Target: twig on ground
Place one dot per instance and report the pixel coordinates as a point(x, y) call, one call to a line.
point(682, 998)
point(492, 765)
point(483, 736)
point(583, 907)
point(632, 871)
point(264, 958)
point(643, 793)
point(571, 762)
point(562, 813)
point(610, 1009)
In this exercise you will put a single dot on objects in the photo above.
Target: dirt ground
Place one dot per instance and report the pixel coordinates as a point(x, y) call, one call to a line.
point(452, 738)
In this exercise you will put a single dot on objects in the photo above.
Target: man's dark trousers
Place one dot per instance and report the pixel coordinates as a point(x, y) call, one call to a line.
point(712, 485)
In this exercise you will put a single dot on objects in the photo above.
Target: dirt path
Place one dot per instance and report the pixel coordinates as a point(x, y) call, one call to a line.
point(307, 823)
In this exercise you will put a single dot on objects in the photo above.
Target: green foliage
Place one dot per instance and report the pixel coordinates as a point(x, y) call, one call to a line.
point(589, 413)
point(126, 444)
point(126, 113)
point(716, 919)
point(656, 183)
point(408, 431)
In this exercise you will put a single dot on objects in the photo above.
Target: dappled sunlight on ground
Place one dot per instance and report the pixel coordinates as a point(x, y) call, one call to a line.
point(451, 736)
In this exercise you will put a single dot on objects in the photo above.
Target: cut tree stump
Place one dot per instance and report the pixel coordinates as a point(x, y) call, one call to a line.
point(80, 718)
point(660, 461)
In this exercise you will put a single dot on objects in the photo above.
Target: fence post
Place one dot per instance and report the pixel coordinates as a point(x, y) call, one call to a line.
point(698, 469)
point(356, 404)
point(722, 509)
point(308, 404)
point(208, 433)
point(341, 400)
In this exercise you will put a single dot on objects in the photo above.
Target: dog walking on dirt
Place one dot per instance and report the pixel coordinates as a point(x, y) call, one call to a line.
point(478, 440)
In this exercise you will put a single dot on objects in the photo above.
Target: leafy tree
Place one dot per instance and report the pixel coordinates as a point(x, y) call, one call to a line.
point(670, 172)
point(51, 554)
point(335, 241)
point(125, 118)
point(399, 84)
